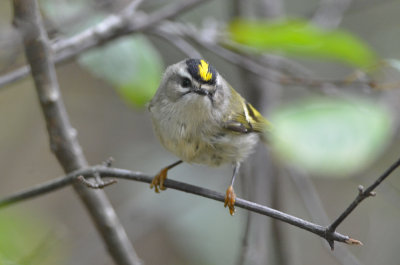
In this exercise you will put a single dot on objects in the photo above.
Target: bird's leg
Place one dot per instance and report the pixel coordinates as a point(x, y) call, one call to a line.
point(230, 196)
point(158, 180)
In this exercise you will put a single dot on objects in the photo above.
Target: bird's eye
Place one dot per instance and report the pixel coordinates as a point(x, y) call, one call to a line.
point(186, 82)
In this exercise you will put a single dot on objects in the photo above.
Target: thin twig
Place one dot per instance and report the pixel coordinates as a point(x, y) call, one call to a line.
point(98, 184)
point(125, 23)
point(112, 27)
point(106, 172)
point(14, 75)
point(313, 204)
point(210, 39)
point(115, 26)
point(37, 190)
point(63, 140)
point(363, 194)
point(180, 43)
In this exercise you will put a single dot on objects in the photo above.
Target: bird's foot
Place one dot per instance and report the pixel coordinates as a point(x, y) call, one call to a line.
point(158, 180)
point(230, 198)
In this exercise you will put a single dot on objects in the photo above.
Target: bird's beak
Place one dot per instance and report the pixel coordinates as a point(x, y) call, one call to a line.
point(204, 90)
point(200, 91)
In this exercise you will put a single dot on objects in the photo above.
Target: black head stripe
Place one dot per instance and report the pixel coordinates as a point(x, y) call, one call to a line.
point(201, 71)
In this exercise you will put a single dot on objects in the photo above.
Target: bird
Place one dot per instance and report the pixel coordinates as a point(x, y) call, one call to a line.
point(198, 116)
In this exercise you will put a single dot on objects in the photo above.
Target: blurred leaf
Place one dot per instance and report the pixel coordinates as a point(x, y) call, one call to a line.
point(131, 64)
point(330, 138)
point(300, 38)
point(24, 240)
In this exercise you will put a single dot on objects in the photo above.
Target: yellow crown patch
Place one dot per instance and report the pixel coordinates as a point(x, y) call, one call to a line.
point(204, 72)
point(201, 71)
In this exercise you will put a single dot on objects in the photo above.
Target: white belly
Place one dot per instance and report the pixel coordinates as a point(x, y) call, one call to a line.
point(213, 147)
point(196, 137)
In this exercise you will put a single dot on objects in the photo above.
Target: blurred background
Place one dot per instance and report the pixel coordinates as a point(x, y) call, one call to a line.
point(324, 72)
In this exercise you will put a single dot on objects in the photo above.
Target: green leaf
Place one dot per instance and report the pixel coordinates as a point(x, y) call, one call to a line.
point(131, 64)
point(330, 138)
point(300, 38)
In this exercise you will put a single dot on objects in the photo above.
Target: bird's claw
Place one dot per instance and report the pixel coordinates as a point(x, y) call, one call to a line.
point(230, 198)
point(158, 181)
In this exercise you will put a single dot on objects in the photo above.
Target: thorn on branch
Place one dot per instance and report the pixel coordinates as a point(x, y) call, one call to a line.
point(360, 189)
point(352, 241)
point(364, 193)
point(349, 240)
point(331, 244)
point(98, 185)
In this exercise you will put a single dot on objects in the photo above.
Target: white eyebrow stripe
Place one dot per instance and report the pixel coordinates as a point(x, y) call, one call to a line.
point(184, 73)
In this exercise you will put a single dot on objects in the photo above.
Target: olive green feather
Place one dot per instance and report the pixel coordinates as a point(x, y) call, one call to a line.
point(244, 118)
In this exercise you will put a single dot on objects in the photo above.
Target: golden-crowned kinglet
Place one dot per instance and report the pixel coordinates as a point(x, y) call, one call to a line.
point(200, 118)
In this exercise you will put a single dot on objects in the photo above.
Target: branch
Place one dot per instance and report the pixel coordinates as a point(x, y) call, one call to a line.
point(362, 195)
point(313, 204)
point(289, 72)
point(112, 27)
point(106, 172)
point(63, 141)
point(128, 22)
point(209, 39)
point(179, 42)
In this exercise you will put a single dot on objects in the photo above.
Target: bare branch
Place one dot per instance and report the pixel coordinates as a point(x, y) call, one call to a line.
point(208, 38)
point(116, 26)
point(180, 43)
point(289, 72)
point(363, 194)
point(14, 75)
point(314, 206)
point(106, 172)
point(128, 22)
point(37, 190)
point(112, 27)
point(63, 141)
